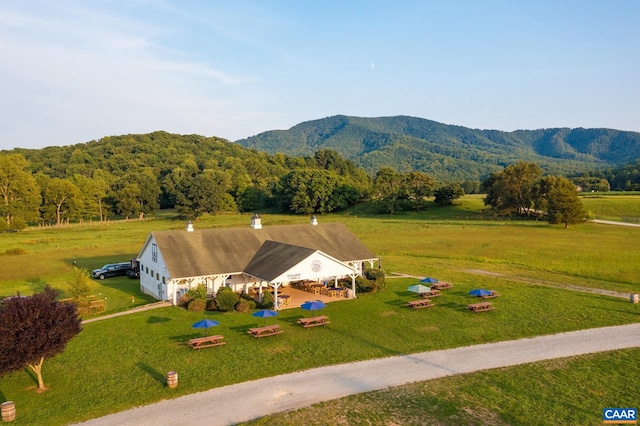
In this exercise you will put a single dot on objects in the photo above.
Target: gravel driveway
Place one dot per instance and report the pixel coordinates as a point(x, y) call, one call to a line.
point(245, 401)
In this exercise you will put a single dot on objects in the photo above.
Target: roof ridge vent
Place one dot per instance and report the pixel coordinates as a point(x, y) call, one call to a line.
point(256, 222)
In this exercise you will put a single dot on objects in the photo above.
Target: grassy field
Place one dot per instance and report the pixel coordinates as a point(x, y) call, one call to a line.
point(544, 393)
point(121, 362)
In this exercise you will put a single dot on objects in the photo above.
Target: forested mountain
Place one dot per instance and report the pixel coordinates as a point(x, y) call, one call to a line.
point(133, 175)
point(451, 152)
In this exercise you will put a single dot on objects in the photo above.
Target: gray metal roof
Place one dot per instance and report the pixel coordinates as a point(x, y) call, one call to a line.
point(273, 259)
point(219, 251)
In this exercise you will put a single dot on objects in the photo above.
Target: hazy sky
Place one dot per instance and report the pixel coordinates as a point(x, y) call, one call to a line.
point(75, 71)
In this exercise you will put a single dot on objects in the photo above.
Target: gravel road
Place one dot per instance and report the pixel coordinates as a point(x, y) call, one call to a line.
point(245, 401)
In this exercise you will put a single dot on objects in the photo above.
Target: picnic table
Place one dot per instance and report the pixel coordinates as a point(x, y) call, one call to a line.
point(442, 285)
point(433, 293)
point(206, 342)
point(480, 307)
point(269, 330)
point(418, 304)
point(314, 322)
point(489, 296)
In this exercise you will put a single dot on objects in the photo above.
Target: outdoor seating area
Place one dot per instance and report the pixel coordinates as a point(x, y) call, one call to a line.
point(266, 331)
point(480, 307)
point(419, 304)
point(316, 288)
point(321, 320)
point(206, 342)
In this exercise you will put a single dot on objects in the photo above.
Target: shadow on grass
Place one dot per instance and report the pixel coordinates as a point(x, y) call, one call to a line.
point(398, 303)
point(155, 374)
point(157, 320)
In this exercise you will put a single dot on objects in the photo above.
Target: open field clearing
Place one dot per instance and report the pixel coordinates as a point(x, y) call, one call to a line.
point(121, 362)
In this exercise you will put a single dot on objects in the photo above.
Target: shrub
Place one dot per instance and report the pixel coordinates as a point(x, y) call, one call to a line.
point(267, 300)
point(184, 300)
point(226, 299)
point(18, 224)
point(15, 251)
point(211, 305)
point(242, 306)
point(197, 305)
point(198, 293)
point(378, 277)
point(364, 285)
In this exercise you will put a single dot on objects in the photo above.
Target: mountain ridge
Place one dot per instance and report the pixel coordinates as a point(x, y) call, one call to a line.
point(450, 151)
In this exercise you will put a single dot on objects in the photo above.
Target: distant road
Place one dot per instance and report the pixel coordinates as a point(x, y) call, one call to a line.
point(611, 222)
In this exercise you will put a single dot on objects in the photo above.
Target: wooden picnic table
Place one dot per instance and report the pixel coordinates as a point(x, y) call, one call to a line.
point(418, 304)
point(480, 307)
point(314, 321)
point(433, 293)
point(489, 296)
point(442, 285)
point(206, 342)
point(269, 330)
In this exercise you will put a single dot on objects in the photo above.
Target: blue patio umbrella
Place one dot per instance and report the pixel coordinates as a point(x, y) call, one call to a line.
point(312, 305)
point(205, 323)
point(429, 280)
point(419, 288)
point(480, 292)
point(264, 313)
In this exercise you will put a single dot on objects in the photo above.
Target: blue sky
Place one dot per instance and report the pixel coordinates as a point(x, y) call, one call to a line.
point(74, 71)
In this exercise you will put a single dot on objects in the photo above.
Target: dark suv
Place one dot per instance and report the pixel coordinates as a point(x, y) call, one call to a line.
point(111, 270)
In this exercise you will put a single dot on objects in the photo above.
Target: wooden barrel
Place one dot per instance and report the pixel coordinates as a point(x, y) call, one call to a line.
point(634, 298)
point(8, 411)
point(172, 379)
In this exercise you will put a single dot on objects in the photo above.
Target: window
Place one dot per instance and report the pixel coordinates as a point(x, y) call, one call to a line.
point(147, 269)
point(164, 280)
point(154, 253)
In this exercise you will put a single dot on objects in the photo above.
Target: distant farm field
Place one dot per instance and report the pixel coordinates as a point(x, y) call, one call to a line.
point(121, 362)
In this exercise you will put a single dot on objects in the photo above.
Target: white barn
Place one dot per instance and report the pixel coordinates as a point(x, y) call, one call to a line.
point(172, 262)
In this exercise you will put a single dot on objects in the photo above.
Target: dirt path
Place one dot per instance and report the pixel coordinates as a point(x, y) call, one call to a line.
point(245, 401)
point(142, 308)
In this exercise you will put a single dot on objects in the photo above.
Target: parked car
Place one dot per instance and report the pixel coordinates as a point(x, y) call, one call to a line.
point(111, 270)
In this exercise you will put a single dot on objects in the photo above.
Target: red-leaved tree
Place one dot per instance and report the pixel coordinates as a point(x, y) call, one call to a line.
point(34, 328)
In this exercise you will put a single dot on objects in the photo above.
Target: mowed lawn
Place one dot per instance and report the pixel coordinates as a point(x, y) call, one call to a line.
point(122, 362)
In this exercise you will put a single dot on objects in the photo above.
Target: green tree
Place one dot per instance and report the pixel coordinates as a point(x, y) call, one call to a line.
point(417, 186)
point(19, 193)
point(137, 193)
point(388, 186)
point(79, 283)
point(308, 190)
point(61, 200)
point(512, 189)
point(562, 202)
point(447, 194)
point(34, 328)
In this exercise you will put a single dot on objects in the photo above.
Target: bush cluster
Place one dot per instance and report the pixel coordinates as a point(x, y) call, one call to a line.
point(373, 281)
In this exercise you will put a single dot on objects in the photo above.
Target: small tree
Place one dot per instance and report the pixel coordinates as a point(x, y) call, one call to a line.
point(34, 328)
point(79, 283)
point(446, 194)
point(563, 204)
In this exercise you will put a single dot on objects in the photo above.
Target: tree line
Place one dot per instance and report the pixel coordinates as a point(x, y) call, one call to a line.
point(134, 175)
